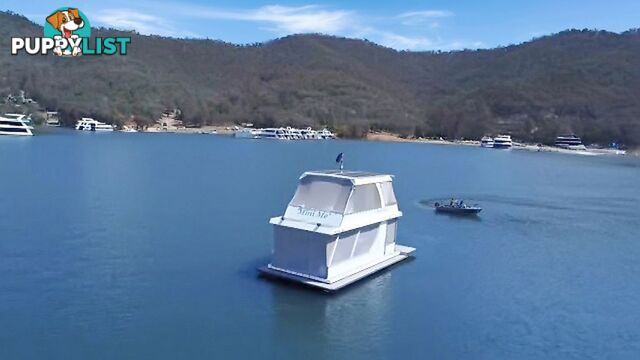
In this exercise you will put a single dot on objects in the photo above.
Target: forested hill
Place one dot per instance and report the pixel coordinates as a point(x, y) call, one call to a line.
point(583, 82)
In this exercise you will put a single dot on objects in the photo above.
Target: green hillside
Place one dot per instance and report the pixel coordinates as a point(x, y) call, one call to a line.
point(583, 82)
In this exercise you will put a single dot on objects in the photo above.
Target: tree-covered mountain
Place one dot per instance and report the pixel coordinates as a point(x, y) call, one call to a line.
point(577, 81)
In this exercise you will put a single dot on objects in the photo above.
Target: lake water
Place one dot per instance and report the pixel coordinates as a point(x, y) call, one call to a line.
point(144, 246)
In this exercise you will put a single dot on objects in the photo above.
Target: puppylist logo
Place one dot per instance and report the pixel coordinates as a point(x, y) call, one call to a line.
point(67, 33)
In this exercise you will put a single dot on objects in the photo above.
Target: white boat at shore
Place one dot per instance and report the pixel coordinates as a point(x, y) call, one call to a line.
point(15, 124)
point(89, 124)
point(128, 129)
point(486, 142)
point(282, 133)
point(53, 119)
point(571, 142)
point(326, 134)
point(247, 133)
point(502, 142)
point(310, 134)
point(274, 134)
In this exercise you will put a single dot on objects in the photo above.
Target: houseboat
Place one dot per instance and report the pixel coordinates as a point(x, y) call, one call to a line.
point(53, 119)
point(15, 124)
point(282, 133)
point(339, 227)
point(486, 142)
point(571, 142)
point(247, 133)
point(310, 134)
point(274, 134)
point(502, 142)
point(89, 124)
point(326, 134)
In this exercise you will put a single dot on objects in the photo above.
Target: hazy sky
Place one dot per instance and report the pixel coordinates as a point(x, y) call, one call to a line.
point(411, 25)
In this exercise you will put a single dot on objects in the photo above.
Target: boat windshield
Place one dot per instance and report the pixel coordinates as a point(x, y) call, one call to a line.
point(322, 193)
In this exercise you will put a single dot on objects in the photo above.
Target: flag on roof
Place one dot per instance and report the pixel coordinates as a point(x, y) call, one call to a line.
point(340, 160)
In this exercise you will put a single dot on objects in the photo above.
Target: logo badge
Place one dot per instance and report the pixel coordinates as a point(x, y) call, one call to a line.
point(67, 33)
point(70, 24)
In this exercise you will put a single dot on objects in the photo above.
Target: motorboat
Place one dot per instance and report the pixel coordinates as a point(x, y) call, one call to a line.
point(15, 124)
point(89, 124)
point(339, 227)
point(457, 207)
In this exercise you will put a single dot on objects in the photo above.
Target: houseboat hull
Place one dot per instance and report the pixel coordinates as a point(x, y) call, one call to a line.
point(402, 253)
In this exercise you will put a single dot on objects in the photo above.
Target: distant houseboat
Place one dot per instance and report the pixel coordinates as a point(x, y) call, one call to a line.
point(283, 133)
point(89, 124)
point(502, 142)
point(486, 142)
point(571, 142)
point(53, 118)
point(15, 124)
point(247, 133)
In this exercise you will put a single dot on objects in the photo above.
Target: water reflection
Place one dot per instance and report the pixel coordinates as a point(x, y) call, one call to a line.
point(353, 319)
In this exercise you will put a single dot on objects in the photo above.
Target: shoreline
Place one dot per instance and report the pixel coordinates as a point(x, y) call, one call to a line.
point(383, 136)
point(391, 137)
point(209, 129)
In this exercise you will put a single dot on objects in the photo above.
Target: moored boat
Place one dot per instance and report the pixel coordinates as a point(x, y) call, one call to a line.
point(571, 142)
point(15, 124)
point(283, 133)
point(502, 142)
point(89, 124)
point(486, 142)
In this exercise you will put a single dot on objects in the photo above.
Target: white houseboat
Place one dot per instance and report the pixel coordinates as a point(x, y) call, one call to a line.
point(502, 142)
point(15, 124)
point(282, 133)
point(326, 134)
point(247, 133)
point(339, 227)
point(274, 134)
point(571, 142)
point(486, 142)
point(310, 134)
point(53, 118)
point(89, 124)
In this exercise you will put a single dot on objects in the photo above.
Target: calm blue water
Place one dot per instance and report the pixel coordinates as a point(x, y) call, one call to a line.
point(145, 246)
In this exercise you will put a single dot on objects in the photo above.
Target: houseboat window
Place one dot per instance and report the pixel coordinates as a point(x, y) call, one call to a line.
point(391, 231)
point(321, 193)
point(364, 197)
point(388, 194)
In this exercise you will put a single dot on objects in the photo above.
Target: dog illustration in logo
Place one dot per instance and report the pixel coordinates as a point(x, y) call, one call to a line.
point(66, 21)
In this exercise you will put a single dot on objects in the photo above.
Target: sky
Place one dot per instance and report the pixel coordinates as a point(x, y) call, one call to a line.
point(402, 25)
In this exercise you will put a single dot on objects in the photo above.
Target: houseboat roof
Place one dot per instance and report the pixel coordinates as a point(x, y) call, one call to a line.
point(356, 177)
